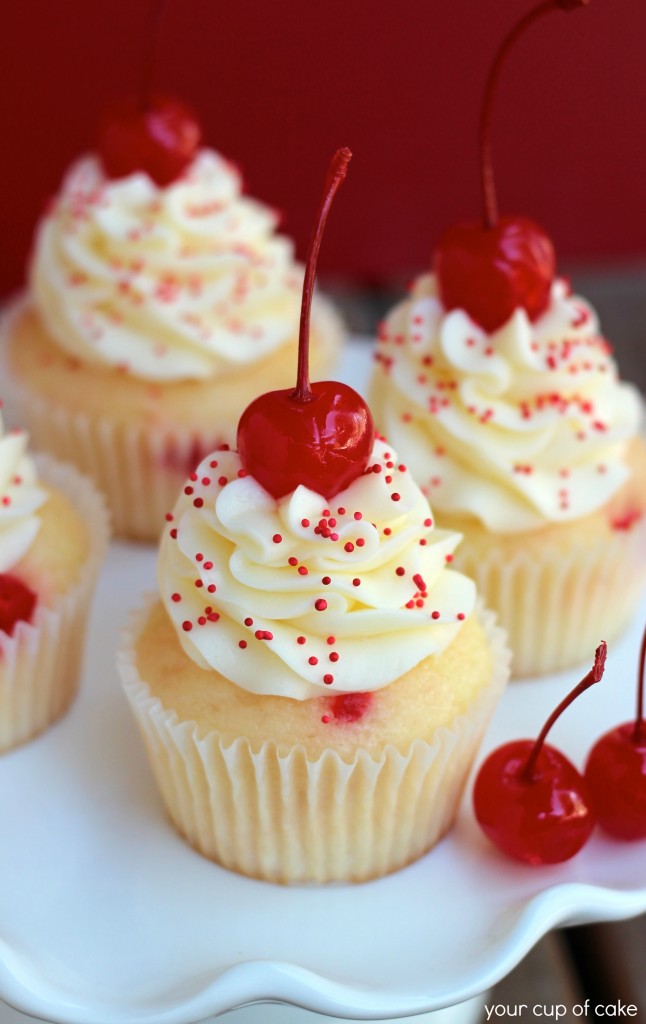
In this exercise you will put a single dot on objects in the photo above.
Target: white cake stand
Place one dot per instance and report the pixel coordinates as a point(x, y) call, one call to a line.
point(107, 917)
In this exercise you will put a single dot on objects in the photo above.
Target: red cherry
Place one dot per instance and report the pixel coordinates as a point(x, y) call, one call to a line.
point(318, 435)
point(17, 602)
point(152, 133)
point(616, 772)
point(491, 271)
point(323, 444)
point(160, 138)
point(493, 268)
point(529, 798)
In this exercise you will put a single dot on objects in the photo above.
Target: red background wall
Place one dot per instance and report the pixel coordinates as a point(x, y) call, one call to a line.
point(280, 84)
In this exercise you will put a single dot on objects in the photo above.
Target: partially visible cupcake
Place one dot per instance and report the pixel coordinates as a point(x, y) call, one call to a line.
point(53, 538)
point(524, 440)
point(313, 685)
point(154, 314)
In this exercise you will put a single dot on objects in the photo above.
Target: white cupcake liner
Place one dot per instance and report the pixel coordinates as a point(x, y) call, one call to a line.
point(139, 467)
point(558, 606)
point(284, 818)
point(41, 662)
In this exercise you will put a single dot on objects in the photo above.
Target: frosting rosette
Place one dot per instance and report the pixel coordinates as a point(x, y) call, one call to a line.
point(169, 283)
point(518, 428)
point(302, 596)
point(20, 498)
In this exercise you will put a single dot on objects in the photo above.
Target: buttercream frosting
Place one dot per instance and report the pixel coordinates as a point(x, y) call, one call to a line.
point(518, 428)
point(302, 596)
point(167, 283)
point(20, 498)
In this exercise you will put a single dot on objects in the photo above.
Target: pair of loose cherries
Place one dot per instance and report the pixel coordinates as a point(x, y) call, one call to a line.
point(536, 807)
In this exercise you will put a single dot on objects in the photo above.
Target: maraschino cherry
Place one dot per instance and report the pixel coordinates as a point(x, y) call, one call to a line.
point(530, 800)
point(493, 267)
point(318, 435)
point(616, 772)
point(150, 133)
point(17, 602)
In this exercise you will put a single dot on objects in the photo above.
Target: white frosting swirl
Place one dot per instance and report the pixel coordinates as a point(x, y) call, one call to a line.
point(302, 597)
point(166, 283)
point(20, 498)
point(519, 428)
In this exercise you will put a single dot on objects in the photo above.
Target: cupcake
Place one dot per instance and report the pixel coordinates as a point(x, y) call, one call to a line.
point(160, 301)
point(53, 537)
point(525, 441)
point(498, 389)
point(313, 681)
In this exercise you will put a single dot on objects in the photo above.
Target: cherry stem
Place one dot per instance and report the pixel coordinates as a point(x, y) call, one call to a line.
point(151, 53)
point(638, 731)
point(593, 676)
point(335, 175)
point(490, 202)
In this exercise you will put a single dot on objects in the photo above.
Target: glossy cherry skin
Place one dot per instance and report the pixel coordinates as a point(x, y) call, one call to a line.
point(160, 139)
point(490, 272)
point(616, 776)
point(17, 602)
point(323, 444)
point(542, 820)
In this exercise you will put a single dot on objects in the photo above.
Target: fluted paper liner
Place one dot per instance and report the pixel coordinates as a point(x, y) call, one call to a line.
point(557, 609)
point(140, 467)
point(41, 662)
point(284, 818)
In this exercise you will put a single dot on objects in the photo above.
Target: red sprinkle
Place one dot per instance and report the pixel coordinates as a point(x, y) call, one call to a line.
point(320, 604)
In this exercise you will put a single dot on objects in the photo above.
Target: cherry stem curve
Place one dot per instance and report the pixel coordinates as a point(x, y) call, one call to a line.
point(151, 53)
point(638, 731)
point(335, 175)
point(490, 202)
point(594, 675)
